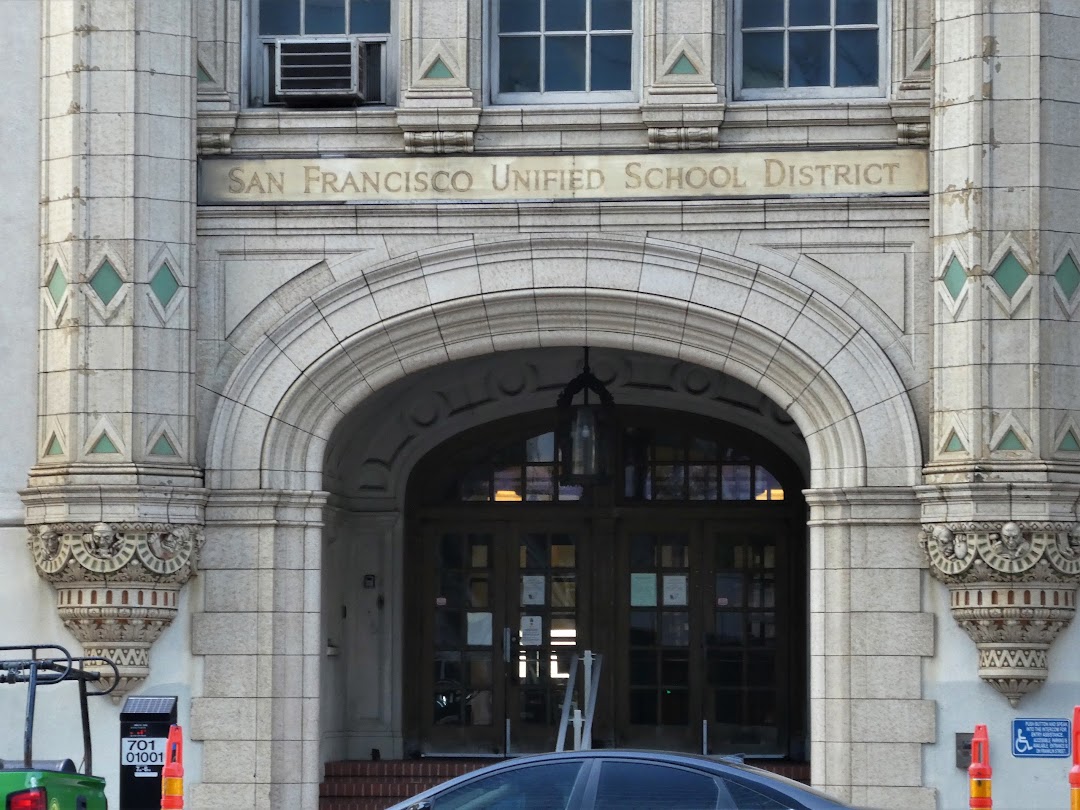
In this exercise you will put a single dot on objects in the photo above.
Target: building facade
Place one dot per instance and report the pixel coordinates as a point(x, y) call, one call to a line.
point(312, 276)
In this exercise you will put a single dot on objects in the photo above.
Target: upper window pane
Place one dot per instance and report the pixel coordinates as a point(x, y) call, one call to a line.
point(324, 17)
point(613, 15)
point(519, 15)
point(565, 15)
point(369, 16)
point(278, 17)
point(763, 14)
point(809, 48)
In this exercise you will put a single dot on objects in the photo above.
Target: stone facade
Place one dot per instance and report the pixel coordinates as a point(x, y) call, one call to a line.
point(228, 399)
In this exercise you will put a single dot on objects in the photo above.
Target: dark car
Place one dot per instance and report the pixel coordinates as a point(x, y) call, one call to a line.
point(620, 780)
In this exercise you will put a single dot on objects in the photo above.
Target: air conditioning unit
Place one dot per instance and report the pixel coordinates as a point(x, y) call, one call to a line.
point(314, 68)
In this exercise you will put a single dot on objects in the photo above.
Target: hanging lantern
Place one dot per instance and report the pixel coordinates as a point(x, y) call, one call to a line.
point(583, 427)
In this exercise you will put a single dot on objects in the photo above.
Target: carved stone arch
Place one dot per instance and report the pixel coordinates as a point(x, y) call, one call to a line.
point(281, 404)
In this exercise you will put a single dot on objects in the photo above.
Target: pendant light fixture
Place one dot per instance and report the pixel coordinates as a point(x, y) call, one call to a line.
point(584, 427)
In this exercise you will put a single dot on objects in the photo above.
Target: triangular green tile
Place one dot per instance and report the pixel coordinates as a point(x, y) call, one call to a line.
point(104, 445)
point(106, 282)
point(1069, 443)
point(202, 75)
point(954, 445)
point(954, 278)
point(683, 67)
point(57, 284)
point(1068, 275)
point(54, 448)
point(438, 70)
point(1010, 274)
point(163, 447)
point(164, 285)
point(925, 63)
point(1010, 441)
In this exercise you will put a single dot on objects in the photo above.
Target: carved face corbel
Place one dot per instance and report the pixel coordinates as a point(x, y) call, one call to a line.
point(1012, 589)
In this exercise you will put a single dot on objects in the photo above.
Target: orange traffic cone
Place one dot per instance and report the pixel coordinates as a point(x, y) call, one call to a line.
point(979, 772)
point(172, 775)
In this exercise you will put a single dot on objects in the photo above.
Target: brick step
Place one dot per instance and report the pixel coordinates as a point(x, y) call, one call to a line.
point(365, 787)
point(355, 804)
point(420, 768)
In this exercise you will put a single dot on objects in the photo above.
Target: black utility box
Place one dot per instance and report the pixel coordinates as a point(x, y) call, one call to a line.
point(144, 732)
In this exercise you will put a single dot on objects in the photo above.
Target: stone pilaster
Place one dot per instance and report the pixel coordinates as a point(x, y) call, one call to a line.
point(116, 430)
point(440, 68)
point(682, 102)
point(1004, 448)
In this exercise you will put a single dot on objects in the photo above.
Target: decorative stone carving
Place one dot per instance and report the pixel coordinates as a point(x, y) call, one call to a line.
point(684, 137)
point(1012, 589)
point(117, 585)
point(913, 133)
point(438, 143)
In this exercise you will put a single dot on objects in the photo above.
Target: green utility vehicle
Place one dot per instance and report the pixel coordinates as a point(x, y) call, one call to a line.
point(29, 784)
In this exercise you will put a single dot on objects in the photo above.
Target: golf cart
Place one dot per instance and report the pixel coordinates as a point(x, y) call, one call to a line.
point(29, 784)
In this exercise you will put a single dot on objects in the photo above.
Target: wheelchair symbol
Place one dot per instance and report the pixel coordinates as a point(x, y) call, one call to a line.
point(1021, 744)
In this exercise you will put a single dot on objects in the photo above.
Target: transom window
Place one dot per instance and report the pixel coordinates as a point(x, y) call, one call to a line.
point(367, 22)
point(656, 466)
point(563, 50)
point(809, 48)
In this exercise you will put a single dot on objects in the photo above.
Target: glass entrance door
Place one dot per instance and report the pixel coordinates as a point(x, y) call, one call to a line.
point(501, 628)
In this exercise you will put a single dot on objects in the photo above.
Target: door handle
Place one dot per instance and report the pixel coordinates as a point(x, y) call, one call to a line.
point(508, 657)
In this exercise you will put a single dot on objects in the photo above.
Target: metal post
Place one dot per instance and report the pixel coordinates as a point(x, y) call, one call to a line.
point(577, 729)
point(704, 736)
point(568, 696)
point(588, 661)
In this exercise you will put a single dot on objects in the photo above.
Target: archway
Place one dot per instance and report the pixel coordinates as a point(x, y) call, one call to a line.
point(275, 424)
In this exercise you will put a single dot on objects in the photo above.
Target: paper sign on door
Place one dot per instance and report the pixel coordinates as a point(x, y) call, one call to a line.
point(532, 631)
point(674, 589)
point(532, 590)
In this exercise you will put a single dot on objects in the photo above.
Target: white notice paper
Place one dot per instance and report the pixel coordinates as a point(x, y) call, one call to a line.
point(532, 590)
point(479, 632)
point(532, 631)
point(674, 589)
point(643, 590)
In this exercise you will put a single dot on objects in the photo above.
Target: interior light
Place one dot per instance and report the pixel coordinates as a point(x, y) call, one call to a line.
point(506, 495)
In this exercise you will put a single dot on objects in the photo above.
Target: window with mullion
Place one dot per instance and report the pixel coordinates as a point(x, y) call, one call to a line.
point(563, 50)
point(810, 48)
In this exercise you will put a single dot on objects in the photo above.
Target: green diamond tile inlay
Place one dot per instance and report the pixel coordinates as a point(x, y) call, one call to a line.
point(954, 278)
point(1069, 443)
point(1068, 275)
point(438, 70)
point(54, 448)
point(1010, 441)
point(954, 445)
point(163, 447)
point(202, 75)
point(164, 285)
point(104, 445)
point(106, 282)
point(1010, 274)
point(58, 284)
point(683, 67)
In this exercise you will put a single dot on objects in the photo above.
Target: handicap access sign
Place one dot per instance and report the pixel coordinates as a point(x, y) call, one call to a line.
point(1040, 737)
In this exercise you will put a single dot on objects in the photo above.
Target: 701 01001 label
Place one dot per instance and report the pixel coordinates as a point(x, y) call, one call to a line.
point(143, 751)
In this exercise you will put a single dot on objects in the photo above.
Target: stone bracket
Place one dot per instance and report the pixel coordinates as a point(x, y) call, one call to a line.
point(1012, 589)
point(117, 585)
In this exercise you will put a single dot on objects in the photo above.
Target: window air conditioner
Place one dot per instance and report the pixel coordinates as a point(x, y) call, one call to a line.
point(313, 68)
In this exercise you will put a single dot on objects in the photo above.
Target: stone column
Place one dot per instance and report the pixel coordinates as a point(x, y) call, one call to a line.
point(116, 433)
point(441, 52)
point(868, 638)
point(1004, 438)
point(260, 637)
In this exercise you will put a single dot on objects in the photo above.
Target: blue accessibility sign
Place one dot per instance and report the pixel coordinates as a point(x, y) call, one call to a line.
point(1041, 737)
